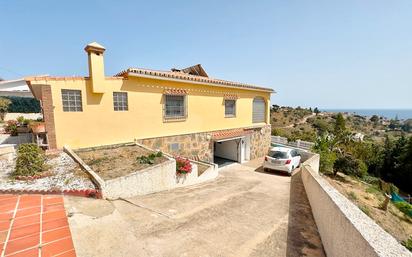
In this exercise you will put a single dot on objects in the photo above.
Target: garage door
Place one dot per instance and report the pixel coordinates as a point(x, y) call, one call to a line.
point(259, 108)
point(227, 149)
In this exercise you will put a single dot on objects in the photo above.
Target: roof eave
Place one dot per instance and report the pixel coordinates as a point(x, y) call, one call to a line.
point(133, 74)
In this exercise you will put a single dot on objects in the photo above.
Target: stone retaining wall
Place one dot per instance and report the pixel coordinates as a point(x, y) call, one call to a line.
point(197, 145)
point(200, 145)
point(260, 142)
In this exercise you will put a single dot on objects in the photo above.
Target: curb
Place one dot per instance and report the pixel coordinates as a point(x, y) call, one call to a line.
point(90, 193)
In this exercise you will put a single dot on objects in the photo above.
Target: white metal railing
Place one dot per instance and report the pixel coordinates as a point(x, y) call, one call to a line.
point(298, 143)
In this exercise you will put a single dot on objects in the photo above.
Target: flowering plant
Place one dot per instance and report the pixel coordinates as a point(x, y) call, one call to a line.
point(183, 166)
point(11, 127)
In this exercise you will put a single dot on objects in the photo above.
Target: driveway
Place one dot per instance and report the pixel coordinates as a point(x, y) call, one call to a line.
point(244, 212)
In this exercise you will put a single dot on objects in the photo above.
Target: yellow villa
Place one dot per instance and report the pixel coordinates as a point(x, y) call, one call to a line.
point(182, 111)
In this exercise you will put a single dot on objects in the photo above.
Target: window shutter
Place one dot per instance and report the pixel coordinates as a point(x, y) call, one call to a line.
point(259, 110)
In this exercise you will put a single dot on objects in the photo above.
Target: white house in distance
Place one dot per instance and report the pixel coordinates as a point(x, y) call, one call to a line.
point(16, 87)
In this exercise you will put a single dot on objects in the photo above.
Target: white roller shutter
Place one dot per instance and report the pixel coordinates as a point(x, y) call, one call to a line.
point(259, 109)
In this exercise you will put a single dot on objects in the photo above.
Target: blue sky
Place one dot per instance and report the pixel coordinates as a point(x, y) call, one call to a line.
point(330, 54)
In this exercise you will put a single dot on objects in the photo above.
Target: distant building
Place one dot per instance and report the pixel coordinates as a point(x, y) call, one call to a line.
point(358, 137)
point(16, 87)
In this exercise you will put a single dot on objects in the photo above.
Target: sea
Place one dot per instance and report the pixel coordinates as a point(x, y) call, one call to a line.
point(402, 114)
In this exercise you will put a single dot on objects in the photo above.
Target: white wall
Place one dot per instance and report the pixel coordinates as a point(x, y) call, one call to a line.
point(15, 115)
point(227, 149)
point(344, 229)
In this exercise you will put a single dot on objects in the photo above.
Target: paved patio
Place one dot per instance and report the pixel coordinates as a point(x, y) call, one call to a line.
point(34, 225)
point(244, 212)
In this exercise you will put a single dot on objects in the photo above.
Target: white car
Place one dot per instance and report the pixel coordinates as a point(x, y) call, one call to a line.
point(282, 159)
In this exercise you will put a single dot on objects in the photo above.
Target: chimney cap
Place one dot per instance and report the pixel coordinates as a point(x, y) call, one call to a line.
point(94, 47)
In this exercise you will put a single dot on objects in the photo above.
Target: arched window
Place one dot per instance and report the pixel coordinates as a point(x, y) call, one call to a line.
point(259, 110)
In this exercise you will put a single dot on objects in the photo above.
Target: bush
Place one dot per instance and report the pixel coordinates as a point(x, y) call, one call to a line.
point(23, 104)
point(4, 106)
point(20, 120)
point(349, 165)
point(149, 159)
point(371, 180)
point(404, 207)
point(11, 127)
point(408, 243)
point(30, 160)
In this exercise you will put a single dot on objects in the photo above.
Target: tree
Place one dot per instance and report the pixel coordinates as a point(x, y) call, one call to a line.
point(393, 124)
point(4, 106)
point(325, 147)
point(340, 124)
point(374, 118)
point(274, 108)
point(349, 165)
point(316, 110)
point(321, 126)
point(407, 125)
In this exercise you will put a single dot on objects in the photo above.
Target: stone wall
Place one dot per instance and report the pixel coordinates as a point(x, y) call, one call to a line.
point(198, 146)
point(260, 142)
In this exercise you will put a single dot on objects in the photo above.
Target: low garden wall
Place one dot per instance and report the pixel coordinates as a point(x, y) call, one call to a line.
point(6, 151)
point(153, 179)
point(31, 116)
point(344, 229)
point(16, 140)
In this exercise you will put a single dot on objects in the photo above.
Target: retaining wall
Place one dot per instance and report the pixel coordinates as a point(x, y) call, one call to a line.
point(344, 229)
point(153, 179)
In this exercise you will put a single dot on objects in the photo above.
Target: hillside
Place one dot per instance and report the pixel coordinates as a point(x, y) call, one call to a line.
point(304, 124)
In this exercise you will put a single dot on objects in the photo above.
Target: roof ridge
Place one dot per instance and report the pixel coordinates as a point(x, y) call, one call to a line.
point(189, 77)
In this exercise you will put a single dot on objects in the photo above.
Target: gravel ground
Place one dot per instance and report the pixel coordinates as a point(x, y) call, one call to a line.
point(67, 175)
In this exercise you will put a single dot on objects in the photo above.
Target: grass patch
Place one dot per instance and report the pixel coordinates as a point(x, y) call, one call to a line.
point(373, 190)
point(408, 243)
point(97, 161)
point(365, 210)
point(352, 196)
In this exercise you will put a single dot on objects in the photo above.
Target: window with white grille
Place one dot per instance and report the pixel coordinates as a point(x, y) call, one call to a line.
point(230, 108)
point(72, 100)
point(120, 101)
point(175, 106)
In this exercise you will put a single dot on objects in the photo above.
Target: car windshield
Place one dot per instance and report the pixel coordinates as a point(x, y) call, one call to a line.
point(278, 154)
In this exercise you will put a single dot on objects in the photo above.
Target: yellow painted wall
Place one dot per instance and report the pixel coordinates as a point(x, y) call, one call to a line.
point(99, 124)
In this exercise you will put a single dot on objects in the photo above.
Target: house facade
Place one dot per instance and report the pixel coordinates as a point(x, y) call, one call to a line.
point(181, 112)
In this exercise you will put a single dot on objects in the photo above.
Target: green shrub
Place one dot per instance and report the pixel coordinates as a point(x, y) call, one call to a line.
point(149, 159)
point(352, 196)
point(20, 119)
point(23, 104)
point(30, 160)
point(11, 127)
point(372, 190)
point(4, 107)
point(365, 210)
point(404, 207)
point(371, 180)
point(349, 165)
point(408, 243)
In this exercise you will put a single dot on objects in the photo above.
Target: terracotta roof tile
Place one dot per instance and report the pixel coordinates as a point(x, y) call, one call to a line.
point(188, 77)
point(225, 134)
